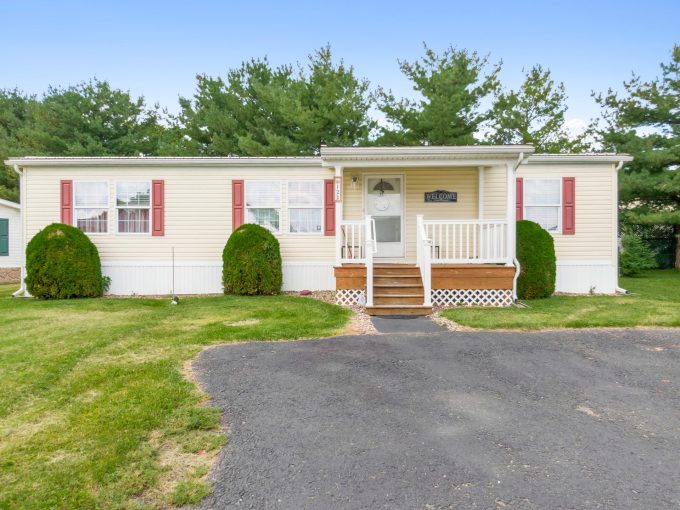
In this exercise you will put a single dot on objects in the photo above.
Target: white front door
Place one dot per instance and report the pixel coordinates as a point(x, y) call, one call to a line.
point(384, 202)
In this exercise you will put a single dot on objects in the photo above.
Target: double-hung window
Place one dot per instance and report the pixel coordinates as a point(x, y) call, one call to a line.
point(263, 204)
point(543, 202)
point(133, 203)
point(305, 207)
point(91, 206)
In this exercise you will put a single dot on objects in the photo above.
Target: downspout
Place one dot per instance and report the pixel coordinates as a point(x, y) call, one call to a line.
point(618, 290)
point(22, 198)
point(518, 267)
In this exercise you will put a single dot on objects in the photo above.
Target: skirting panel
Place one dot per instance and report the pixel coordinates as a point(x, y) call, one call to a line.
point(583, 277)
point(350, 297)
point(471, 297)
point(204, 277)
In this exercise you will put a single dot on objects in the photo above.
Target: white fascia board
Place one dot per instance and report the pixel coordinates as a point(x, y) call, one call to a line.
point(9, 203)
point(423, 151)
point(578, 158)
point(35, 162)
point(415, 163)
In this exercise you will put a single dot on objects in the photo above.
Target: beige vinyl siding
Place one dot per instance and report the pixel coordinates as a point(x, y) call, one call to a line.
point(13, 216)
point(596, 214)
point(416, 182)
point(495, 193)
point(197, 211)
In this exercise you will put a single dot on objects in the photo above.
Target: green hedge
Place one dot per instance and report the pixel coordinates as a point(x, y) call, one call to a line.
point(536, 255)
point(62, 263)
point(251, 262)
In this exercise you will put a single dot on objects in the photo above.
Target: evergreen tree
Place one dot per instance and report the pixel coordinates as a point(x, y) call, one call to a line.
point(263, 111)
point(646, 123)
point(534, 115)
point(451, 87)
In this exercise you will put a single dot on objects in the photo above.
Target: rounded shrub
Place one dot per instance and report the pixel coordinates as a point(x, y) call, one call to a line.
point(536, 255)
point(251, 262)
point(62, 263)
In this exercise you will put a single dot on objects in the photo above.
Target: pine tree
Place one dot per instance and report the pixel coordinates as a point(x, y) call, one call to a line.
point(452, 87)
point(534, 115)
point(646, 123)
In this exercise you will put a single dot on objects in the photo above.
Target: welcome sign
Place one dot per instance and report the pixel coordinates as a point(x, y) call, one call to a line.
point(441, 196)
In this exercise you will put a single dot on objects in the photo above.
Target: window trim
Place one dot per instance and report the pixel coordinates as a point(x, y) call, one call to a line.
point(320, 208)
point(246, 183)
point(117, 207)
point(75, 207)
point(559, 206)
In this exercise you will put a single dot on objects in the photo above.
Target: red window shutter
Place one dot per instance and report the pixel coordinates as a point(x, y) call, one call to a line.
point(519, 200)
point(67, 202)
point(237, 217)
point(568, 205)
point(158, 208)
point(328, 208)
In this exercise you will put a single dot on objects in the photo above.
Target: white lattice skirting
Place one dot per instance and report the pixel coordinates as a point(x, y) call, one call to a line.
point(471, 297)
point(350, 297)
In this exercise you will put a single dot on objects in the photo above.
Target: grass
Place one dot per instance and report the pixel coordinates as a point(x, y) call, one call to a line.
point(96, 410)
point(654, 301)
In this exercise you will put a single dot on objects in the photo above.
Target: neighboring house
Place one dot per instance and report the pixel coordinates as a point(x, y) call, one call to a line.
point(427, 224)
point(10, 241)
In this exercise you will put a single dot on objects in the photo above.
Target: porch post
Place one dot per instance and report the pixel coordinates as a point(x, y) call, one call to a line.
point(480, 194)
point(510, 213)
point(338, 217)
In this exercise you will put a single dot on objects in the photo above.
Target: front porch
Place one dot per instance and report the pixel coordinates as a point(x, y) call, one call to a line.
point(410, 234)
point(458, 263)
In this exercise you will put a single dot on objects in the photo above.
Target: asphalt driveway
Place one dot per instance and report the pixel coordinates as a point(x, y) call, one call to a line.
point(580, 419)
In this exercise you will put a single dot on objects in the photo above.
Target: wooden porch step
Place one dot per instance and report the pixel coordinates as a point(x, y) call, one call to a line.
point(396, 279)
point(397, 299)
point(398, 291)
point(398, 310)
point(396, 271)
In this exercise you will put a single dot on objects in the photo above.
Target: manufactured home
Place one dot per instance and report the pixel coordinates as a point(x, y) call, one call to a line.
point(10, 241)
point(398, 229)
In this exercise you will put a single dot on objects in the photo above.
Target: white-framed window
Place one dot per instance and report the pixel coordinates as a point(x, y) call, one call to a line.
point(263, 204)
point(133, 207)
point(305, 207)
point(543, 202)
point(91, 206)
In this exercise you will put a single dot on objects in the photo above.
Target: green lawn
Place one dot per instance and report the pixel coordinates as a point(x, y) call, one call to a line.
point(655, 301)
point(95, 408)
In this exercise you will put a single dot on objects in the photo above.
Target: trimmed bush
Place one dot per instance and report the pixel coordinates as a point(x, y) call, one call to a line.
point(251, 262)
point(635, 256)
point(536, 255)
point(62, 263)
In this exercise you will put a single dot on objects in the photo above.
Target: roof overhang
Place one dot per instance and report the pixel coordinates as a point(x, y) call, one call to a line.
point(543, 159)
point(423, 156)
point(9, 203)
point(30, 162)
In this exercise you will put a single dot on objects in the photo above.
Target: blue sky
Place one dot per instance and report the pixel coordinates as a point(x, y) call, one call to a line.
point(155, 48)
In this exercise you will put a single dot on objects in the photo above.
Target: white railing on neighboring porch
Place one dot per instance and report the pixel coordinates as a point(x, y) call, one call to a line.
point(467, 241)
point(424, 259)
point(352, 241)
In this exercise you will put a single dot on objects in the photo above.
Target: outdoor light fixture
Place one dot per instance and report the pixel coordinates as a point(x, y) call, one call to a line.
point(355, 180)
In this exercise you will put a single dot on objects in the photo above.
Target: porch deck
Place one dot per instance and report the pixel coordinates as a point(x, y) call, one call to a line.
point(398, 289)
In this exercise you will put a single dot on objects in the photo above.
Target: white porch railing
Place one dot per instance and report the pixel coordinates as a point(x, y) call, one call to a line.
point(467, 241)
point(371, 249)
point(424, 259)
point(352, 241)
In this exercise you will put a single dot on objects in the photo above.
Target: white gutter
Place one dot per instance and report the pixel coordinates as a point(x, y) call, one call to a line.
point(618, 290)
point(518, 266)
point(22, 197)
